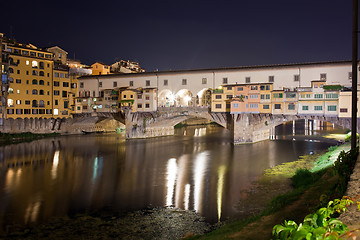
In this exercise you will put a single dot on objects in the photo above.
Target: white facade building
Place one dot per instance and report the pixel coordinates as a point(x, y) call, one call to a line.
point(187, 87)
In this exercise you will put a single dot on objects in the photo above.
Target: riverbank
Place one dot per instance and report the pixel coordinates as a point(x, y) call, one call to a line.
point(11, 138)
point(298, 203)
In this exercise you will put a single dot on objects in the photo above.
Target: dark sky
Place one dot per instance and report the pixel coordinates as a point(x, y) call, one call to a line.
point(186, 34)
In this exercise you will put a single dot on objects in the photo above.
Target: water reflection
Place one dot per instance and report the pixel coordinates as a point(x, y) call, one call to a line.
point(55, 177)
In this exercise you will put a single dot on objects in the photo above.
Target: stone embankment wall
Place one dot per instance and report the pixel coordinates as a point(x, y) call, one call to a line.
point(62, 126)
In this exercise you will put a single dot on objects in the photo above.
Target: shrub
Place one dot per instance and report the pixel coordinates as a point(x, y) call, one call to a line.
point(303, 177)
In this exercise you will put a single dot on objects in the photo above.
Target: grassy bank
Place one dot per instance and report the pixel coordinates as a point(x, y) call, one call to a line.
point(8, 138)
point(321, 178)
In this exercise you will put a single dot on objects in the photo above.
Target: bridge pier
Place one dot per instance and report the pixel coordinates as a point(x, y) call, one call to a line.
point(250, 128)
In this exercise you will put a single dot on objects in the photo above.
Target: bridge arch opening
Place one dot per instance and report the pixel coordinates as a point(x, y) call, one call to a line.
point(184, 98)
point(203, 97)
point(166, 98)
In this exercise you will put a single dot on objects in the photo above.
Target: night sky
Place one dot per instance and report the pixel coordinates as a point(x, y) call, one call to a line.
point(169, 35)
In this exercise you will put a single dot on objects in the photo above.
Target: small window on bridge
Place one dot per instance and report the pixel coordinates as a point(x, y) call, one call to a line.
point(332, 108)
point(266, 106)
point(343, 110)
point(217, 105)
point(277, 106)
point(218, 96)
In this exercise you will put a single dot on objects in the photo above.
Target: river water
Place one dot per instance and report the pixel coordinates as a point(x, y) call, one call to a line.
point(197, 169)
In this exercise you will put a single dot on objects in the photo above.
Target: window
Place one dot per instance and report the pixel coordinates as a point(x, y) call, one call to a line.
point(147, 97)
point(217, 96)
point(34, 92)
point(66, 104)
point(277, 106)
point(34, 82)
point(291, 106)
point(131, 83)
point(19, 111)
point(254, 105)
point(41, 73)
point(147, 82)
point(64, 94)
point(18, 102)
point(318, 95)
point(290, 95)
point(229, 96)
point(271, 79)
point(235, 105)
point(277, 95)
point(318, 108)
point(343, 110)
point(267, 87)
point(56, 74)
point(41, 92)
point(332, 108)
point(254, 96)
point(41, 82)
point(34, 64)
point(56, 83)
point(18, 80)
point(267, 96)
point(81, 85)
point(100, 84)
point(147, 105)
point(114, 84)
point(41, 65)
point(27, 102)
point(229, 88)
point(56, 102)
point(262, 96)
point(139, 105)
point(34, 72)
point(34, 103)
point(254, 87)
point(10, 102)
point(165, 82)
point(266, 106)
point(62, 75)
point(305, 108)
point(296, 78)
point(56, 92)
point(217, 105)
point(66, 84)
point(184, 81)
point(240, 88)
point(139, 96)
point(247, 80)
point(41, 103)
point(322, 76)
point(27, 111)
point(18, 71)
point(225, 80)
point(204, 81)
point(331, 95)
point(26, 53)
point(33, 54)
point(10, 111)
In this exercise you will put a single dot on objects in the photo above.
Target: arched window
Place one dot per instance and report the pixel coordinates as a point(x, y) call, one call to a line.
point(11, 70)
point(34, 64)
point(41, 103)
point(34, 103)
point(34, 82)
point(41, 65)
point(41, 73)
point(41, 82)
point(34, 92)
point(34, 73)
point(41, 92)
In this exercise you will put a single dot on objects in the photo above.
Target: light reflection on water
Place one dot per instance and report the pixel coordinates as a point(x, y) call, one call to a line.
point(205, 173)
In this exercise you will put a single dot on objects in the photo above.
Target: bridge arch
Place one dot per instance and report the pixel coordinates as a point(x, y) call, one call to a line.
point(166, 98)
point(184, 98)
point(203, 97)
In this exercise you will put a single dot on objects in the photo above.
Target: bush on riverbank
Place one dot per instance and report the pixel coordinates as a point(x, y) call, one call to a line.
point(9, 138)
point(322, 223)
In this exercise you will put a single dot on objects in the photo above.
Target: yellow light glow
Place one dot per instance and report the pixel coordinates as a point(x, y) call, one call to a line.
point(199, 175)
point(55, 164)
point(171, 180)
point(220, 188)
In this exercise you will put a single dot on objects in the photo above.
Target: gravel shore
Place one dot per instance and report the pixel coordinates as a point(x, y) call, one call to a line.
point(155, 223)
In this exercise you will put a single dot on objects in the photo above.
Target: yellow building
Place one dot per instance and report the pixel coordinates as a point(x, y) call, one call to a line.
point(218, 100)
point(100, 68)
point(62, 92)
point(127, 99)
point(30, 82)
point(265, 98)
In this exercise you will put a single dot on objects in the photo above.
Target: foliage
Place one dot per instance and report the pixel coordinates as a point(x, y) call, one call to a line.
point(319, 225)
point(333, 87)
point(303, 177)
point(344, 166)
point(348, 137)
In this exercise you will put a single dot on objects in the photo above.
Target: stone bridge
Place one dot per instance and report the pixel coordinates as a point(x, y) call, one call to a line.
point(246, 127)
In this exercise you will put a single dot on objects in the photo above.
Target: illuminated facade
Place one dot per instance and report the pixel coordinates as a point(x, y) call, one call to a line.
point(100, 69)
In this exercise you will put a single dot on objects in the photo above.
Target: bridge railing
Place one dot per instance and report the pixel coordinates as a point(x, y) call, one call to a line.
point(183, 109)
